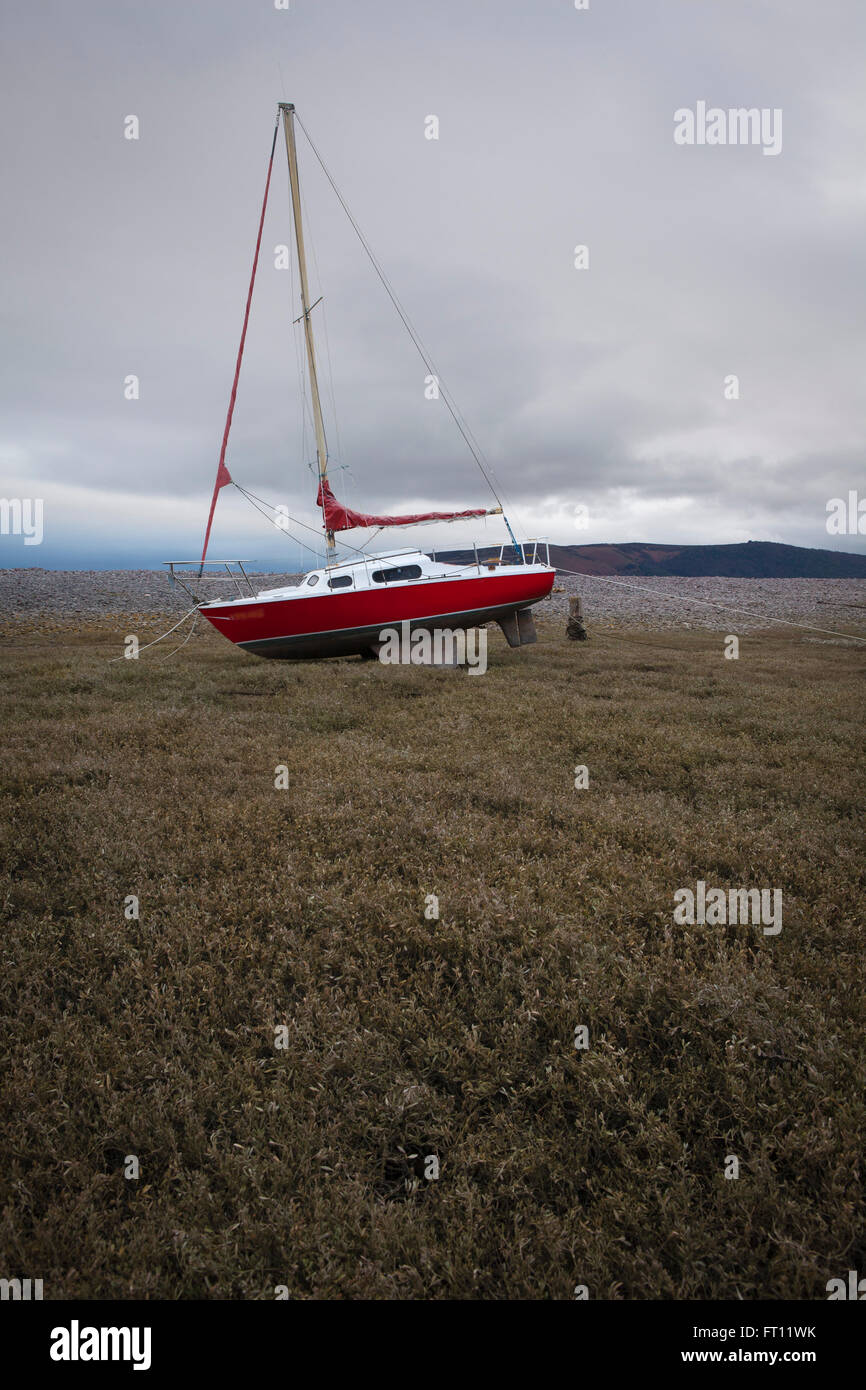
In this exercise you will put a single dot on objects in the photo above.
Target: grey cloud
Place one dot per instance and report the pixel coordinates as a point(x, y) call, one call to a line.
point(556, 129)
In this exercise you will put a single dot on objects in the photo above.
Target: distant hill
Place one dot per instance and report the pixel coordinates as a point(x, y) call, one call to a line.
point(748, 560)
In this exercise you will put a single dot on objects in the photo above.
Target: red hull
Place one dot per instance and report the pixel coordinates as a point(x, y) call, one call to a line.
point(336, 624)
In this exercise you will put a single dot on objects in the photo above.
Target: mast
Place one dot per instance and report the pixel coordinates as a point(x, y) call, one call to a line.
point(288, 111)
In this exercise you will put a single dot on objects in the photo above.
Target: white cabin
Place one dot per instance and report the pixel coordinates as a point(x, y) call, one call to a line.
point(388, 568)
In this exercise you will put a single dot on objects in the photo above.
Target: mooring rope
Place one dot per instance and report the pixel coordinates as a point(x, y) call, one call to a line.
point(707, 603)
point(185, 640)
point(160, 638)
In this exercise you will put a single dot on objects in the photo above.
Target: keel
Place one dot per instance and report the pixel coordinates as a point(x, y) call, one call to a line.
point(518, 628)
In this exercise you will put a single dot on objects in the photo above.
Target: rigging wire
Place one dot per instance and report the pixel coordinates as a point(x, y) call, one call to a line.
point(251, 496)
point(456, 414)
point(462, 425)
point(253, 500)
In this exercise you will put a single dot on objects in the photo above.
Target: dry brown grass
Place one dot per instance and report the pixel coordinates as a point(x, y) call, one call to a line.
point(305, 907)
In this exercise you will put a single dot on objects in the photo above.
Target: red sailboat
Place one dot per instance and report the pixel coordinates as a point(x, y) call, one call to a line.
point(343, 607)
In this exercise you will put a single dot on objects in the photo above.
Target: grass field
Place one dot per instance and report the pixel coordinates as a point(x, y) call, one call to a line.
point(303, 1165)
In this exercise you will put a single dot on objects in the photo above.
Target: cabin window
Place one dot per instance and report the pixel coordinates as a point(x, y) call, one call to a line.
point(400, 572)
point(313, 579)
point(340, 581)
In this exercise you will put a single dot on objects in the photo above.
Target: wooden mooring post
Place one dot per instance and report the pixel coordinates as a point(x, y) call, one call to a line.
point(575, 629)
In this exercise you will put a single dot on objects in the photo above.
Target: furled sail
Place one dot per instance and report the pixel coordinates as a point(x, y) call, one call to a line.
point(340, 518)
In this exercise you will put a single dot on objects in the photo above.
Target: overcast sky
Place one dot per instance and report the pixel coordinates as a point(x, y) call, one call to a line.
point(601, 388)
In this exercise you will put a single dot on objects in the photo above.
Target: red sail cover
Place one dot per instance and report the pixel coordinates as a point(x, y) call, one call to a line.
point(340, 518)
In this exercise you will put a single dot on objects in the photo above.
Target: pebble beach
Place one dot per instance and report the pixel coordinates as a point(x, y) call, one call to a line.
point(40, 601)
